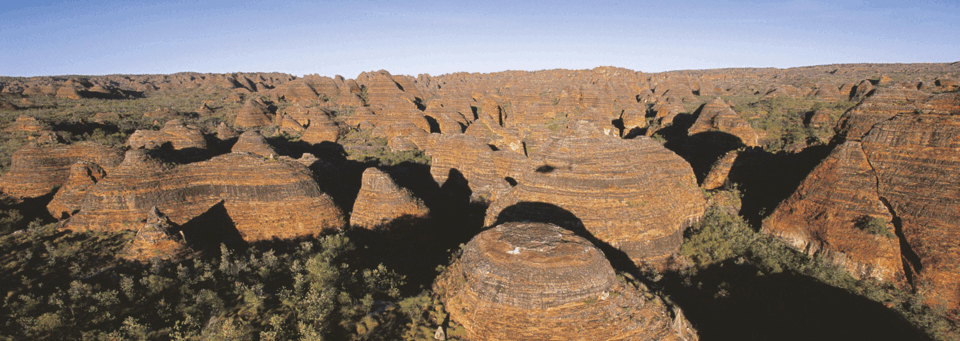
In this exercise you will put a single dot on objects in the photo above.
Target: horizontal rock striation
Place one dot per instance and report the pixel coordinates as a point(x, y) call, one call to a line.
point(381, 202)
point(258, 198)
point(173, 132)
point(634, 195)
point(900, 168)
point(821, 218)
point(537, 281)
point(36, 170)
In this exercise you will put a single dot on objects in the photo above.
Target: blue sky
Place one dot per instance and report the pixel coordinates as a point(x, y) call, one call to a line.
point(437, 37)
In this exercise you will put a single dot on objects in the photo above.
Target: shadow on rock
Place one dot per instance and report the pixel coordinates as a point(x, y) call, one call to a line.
point(766, 178)
point(728, 301)
point(548, 213)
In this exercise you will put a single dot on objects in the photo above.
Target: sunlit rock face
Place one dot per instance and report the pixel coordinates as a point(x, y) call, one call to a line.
point(537, 281)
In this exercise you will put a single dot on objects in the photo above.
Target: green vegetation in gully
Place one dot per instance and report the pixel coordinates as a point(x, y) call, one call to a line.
point(64, 285)
point(727, 252)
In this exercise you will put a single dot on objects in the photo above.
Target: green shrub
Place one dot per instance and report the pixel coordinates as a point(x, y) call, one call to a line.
point(874, 225)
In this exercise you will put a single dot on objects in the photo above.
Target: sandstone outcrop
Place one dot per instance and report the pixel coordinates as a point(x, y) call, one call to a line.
point(254, 143)
point(486, 171)
point(881, 105)
point(27, 125)
point(321, 129)
point(718, 116)
point(173, 132)
point(158, 238)
point(634, 195)
point(537, 281)
point(719, 174)
point(253, 114)
point(821, 218)
point(83, 176)
point(225, 132)
point(382, 203)
point(898, 169)
point(36, 170)
point(240, 194)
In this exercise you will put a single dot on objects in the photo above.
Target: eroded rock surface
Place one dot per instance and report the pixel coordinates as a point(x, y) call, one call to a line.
point(244, 195)
point(634, 194)
point(36, 170)
point(900, 168)
point(537, 281)
point(381, 202)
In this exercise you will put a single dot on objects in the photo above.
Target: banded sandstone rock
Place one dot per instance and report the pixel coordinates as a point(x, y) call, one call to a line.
point(381, 202)
point(718, 116)
point(881, 105)
point(36, 170)
point(253, 114)
point(158, 238)
point(900, 169)
point(27, 125)
point(536, 281)
point(821, 217)
point(68, 200)
point(254, 143)
point(633, 194)
point(174, 132)
point(486, 171)
point(259, 198)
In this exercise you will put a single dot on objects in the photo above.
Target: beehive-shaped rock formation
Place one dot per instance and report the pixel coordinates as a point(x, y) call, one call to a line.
point(35, 170)
point(174, 132)
point(26, 125)
point(83, 176)
point(253, 114)
point(158, 238)
point(254, 143)
point(321, 129)
point(634, 194)
point(259, 198)
point(537, 281)
point(381, 202)
point(718, 116)
point(485, 170)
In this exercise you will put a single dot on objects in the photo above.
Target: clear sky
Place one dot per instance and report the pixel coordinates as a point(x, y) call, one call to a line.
point(436, 37)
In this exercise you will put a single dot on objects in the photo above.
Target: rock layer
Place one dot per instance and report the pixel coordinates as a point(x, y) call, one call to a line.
point(536, 281)
point(634, 194)
point(381, 202)
point(257, 198)
point(35, 171)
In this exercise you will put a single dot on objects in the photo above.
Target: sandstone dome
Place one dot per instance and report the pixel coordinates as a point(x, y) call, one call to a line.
point(537, 281)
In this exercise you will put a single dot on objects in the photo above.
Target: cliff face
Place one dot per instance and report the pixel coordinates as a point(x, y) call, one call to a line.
point(536, 281)
point(256, 198)
point(635, 194)
point(899, 168)
point(825, 216)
